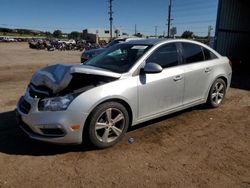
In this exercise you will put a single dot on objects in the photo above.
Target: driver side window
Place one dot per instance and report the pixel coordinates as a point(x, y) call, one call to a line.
point(166, 56)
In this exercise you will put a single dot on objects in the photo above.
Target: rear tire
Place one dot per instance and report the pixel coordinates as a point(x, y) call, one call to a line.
point(217, 93)
point(108, 124)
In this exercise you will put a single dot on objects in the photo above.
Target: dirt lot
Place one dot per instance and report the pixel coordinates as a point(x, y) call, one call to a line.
point(198, 147)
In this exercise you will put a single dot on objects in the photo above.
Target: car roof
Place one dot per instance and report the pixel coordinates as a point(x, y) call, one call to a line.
point(163, 40)
point(154, 42)
point(147, 41)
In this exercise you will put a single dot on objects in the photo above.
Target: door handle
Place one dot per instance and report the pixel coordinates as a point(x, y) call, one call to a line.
point(177, 78)
point(207, 70)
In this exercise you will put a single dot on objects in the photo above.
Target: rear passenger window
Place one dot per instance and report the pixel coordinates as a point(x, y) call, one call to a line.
point(166, 56)
point(208, 54)
point(192, 53)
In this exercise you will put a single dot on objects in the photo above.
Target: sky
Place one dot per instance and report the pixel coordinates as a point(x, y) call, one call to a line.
point(76, 15)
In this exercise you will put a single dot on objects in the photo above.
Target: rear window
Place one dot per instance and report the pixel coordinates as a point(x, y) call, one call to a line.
point(208, 55)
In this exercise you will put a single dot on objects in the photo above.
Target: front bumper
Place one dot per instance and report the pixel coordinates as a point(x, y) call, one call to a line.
point(48, 126)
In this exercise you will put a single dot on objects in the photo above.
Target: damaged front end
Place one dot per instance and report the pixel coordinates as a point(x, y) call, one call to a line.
point(56, 86)
point(43, 112)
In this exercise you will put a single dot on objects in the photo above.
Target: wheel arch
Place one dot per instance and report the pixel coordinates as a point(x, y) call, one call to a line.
point(223, 77)
point(125, 104)
point(118, 100)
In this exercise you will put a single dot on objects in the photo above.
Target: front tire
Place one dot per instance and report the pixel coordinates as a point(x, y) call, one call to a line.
point(108, 124)
point(216, 93)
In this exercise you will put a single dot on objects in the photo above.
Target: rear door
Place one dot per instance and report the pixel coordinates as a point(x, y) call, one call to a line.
point(198, 66)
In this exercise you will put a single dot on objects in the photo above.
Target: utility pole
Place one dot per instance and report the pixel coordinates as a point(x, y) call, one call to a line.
point(135, 30)
point(156, 31)
point(169, 16)
point(209, 34)
point(110, 18)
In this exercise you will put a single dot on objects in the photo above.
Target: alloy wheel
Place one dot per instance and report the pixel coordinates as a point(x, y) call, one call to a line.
point(218, 93)
point(109, 125)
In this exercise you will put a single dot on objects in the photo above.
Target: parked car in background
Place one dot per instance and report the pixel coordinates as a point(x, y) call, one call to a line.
point(88, 54)
point(127, 84)
point(71, 41)
point(8, 39)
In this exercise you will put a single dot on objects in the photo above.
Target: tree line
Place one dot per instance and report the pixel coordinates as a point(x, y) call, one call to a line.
point(72, 35)
point(55, 34)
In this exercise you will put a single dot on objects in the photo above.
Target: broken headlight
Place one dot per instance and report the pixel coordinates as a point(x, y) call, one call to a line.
point(55, 103)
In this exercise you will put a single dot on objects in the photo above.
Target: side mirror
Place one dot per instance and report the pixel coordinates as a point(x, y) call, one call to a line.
point(152, 68)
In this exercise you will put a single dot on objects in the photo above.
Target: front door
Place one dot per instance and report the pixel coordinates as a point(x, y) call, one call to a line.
point(160, 92)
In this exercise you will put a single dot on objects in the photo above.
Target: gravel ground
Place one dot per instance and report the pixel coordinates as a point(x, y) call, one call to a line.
point(197, 147)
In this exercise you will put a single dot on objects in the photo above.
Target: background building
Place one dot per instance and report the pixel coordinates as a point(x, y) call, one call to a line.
point(232, 35)
point(98, 35)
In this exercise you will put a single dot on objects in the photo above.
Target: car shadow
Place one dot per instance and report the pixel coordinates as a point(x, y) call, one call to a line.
point(14, 141)
point(166, 117)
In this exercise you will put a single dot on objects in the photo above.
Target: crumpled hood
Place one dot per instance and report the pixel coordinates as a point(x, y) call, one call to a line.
point(57, 77)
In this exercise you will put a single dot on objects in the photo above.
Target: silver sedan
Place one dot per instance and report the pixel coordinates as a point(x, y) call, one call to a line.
point(127, 84)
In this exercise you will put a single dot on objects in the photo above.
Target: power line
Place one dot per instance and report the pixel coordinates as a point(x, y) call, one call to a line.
point(194, 7)
point(194, 3)
point(193, 14)
point(196, 21)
